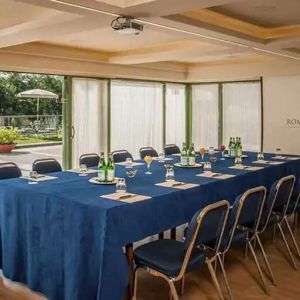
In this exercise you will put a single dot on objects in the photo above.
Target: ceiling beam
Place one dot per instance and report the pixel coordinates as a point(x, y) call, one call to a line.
point(236, 25)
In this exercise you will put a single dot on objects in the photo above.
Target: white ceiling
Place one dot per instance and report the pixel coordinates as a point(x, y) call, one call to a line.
point(82, 25)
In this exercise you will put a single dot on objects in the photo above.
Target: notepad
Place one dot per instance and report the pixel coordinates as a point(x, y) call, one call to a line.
point(126, 197)
point(134, 164)
point(89, 171)
point(215, 175)
point(268, 162)
point(177, 185)
point(40, 178)
point(246, 168)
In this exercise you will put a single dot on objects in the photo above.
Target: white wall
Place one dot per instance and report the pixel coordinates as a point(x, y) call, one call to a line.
point(282, 114)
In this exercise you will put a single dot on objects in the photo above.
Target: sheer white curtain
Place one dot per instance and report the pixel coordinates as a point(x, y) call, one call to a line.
point(136, 116)
point(205, 115)
point(89, 117)
point(175, 114)
point(242, 114)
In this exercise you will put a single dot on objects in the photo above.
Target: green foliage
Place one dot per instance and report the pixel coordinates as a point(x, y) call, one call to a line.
point(9, 136)
point(13, 83)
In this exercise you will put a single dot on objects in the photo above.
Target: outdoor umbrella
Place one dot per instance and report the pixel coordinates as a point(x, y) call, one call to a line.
point(37, 94)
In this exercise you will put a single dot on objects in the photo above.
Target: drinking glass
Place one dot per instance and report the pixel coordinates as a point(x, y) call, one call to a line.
point(238, 161)
point(161, 157)
point(83, 170)
point(211, 150)
point(207, 167)
point(32, 178)
point(121, 185)
point(222, 148)
point(131, 173)
point(128, 163)
point(170, 176)
point(148, 160)
point(202, 152)
point(260, 156)
point(278, 152)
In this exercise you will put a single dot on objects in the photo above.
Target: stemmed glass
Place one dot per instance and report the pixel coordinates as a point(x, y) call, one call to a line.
point(148, 160)
point(222, 148)
point(202, 152)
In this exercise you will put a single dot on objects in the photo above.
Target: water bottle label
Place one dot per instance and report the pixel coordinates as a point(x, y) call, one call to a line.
point(110, 175)
point(101, 175)
point(184, 160)
point(192, 161)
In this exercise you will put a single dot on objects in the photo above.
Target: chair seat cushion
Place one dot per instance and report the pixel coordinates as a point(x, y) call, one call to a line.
point(166, 256)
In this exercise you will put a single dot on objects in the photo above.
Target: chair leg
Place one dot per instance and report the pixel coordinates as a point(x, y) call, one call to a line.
point(225, 277)
point(246, 246)
point(215, 279)
point(287, 247)
point(292, 236)
point(134, 297)
point(182, 282)
point(266, 260)
point(274, 232)
point(173, 290)
point(259, 269)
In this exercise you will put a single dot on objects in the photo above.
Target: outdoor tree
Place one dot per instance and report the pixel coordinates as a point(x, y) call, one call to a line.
point(13, 83)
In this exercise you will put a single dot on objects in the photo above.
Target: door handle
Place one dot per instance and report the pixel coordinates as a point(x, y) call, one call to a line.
point(73, 132)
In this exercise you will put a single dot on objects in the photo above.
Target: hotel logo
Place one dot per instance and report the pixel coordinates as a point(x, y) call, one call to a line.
point(293, 122)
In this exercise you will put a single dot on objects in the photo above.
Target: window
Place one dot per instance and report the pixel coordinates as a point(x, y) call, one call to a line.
point(175, 114)
point(136, 116)
point(242, 114)
point(205, 115)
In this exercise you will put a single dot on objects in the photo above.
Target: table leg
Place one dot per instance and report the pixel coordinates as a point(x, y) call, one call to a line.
point(129, 255)
point(173, 233)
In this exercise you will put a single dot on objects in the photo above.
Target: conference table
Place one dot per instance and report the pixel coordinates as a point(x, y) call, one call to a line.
point(62, 238)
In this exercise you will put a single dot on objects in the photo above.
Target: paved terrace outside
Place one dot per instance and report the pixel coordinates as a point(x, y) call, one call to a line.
point(24, 157)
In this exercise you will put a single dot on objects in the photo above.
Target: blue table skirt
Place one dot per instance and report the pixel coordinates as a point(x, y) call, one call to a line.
point(61, 238)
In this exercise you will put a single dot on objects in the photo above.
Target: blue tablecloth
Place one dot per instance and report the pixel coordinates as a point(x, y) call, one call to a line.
point(61, 238)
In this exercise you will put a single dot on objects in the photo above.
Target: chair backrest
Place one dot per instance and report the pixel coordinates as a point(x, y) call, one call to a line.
point(279, 197)
point(46, 165)
point(207, 224)
point(89, 159)
point(148, 151)
point(246, 211)
point(171, 149)
point(9, 170)
point(120, 155)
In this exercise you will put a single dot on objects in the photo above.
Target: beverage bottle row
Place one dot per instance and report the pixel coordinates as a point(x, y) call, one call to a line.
point(235, 147)
point(106, 171)
point(188, 156)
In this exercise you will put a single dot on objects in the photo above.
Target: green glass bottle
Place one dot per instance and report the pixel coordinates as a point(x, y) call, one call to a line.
point(239, 148)
point(102, 168)
point(233, 148)
point(192, 155)
point(229, 146)
point(110, 169)
point(184, 155)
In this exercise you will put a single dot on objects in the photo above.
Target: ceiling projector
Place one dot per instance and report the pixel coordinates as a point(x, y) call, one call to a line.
point(125, 25)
